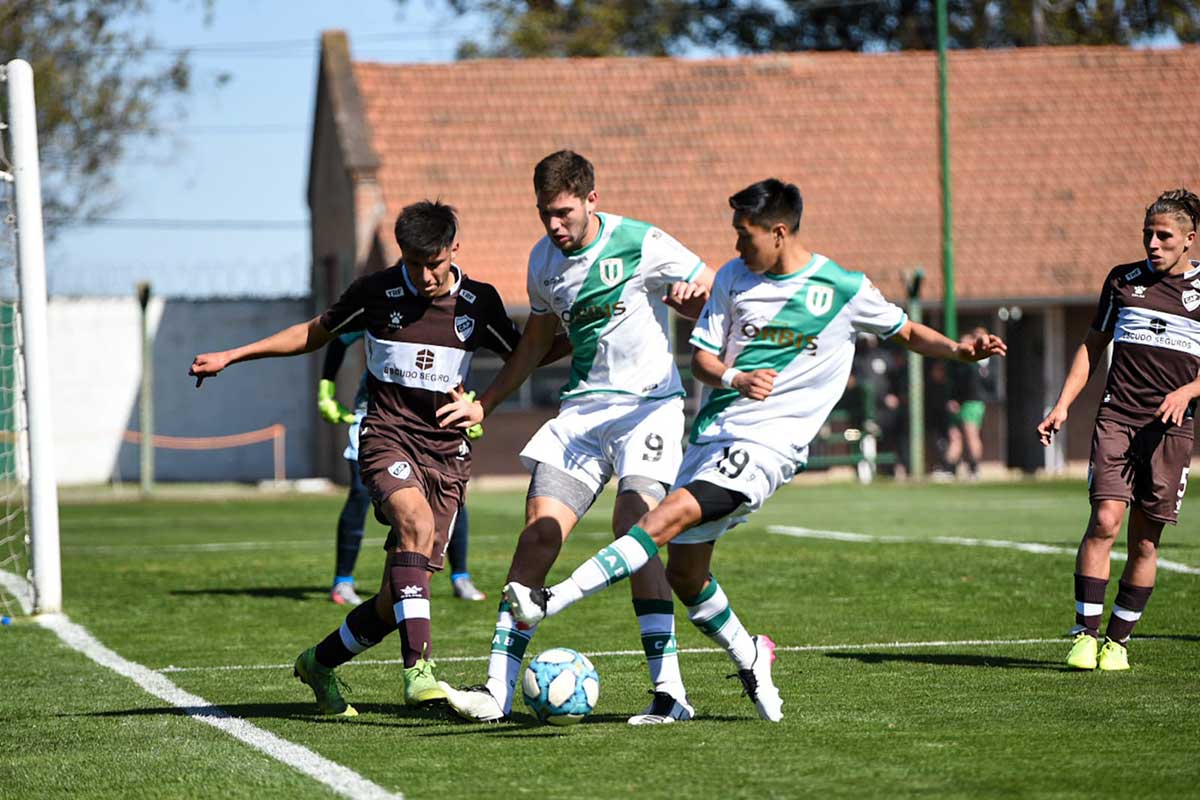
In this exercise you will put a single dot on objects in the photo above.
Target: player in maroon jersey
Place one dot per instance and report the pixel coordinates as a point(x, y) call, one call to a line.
point(1142, 440)
point(423, 319)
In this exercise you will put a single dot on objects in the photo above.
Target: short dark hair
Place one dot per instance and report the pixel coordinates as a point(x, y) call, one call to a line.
point(1179, 203)
point(769, 202)
point(564, 171)
point(426, 228)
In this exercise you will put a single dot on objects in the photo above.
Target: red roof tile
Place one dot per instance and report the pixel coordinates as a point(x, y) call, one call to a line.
point(1055, 154)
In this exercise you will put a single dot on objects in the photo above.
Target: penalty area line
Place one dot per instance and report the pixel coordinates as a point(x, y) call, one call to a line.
point(962, 541)
point(340, 779)
point(805, 648)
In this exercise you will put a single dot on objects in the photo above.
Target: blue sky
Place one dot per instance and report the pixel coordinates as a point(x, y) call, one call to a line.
point(241, 150)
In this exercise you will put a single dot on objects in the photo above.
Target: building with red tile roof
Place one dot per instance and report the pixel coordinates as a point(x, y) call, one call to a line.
point(1055, 153)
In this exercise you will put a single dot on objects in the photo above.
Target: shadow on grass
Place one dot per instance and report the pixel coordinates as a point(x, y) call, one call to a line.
point(1172, 637)
point(267, 592)
point(952, 660)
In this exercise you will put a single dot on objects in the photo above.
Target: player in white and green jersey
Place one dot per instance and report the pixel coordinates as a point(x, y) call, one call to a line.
point(775, 342)
point(607, 281)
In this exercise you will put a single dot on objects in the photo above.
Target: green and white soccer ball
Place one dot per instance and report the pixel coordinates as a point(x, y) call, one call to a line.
point(560, 686)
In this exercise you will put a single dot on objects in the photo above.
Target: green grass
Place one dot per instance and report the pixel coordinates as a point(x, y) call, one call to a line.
point(999, 720)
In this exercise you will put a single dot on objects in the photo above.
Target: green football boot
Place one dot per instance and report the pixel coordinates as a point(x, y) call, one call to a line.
point(420, 686)
point(1113, 656)
point(324, 684)
point(1083, 652)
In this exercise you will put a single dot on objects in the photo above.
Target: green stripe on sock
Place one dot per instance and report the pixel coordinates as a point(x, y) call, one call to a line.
point(705, 594)
point(509, 641)
point(645, 540)
point(612, 564)
point(642, 607)
point(714, 624)
point(658, 645)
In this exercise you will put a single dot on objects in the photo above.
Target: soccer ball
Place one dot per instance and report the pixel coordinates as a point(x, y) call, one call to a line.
point(560, 686)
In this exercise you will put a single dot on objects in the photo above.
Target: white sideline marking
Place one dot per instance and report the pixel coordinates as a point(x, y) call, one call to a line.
point(806, 648)
point(1025, 547)
point(342, 780)
point(19, 588)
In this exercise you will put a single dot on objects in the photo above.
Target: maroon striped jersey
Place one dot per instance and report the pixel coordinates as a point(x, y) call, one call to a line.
point(1154, 319)
point(418, 349)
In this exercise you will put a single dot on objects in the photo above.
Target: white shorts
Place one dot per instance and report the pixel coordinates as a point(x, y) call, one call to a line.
point(599, 436)
point(751, 469)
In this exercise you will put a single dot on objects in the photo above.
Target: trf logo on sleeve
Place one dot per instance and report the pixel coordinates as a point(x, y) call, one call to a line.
point(467, 295)
point(611, 271)
point(819, 300)
point(464, 326)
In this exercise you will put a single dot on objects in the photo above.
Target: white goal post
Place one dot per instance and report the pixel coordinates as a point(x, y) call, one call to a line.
point(31, 432)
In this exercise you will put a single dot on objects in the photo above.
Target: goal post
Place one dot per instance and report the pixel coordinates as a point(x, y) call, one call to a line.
point(30, 430)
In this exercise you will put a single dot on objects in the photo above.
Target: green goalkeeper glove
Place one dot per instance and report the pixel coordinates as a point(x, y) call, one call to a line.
point(328, 406)
point(475, 431)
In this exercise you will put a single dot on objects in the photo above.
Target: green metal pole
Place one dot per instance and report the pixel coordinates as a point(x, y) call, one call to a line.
point(147, 405)
point(916, 385)
point(949, 306)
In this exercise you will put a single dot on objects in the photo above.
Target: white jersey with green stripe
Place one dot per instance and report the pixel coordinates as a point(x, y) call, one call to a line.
point(608, 297)
point(802, 325)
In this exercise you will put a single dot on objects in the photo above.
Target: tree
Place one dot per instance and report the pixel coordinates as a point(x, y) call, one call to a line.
point(525, 28)
point(98, 83)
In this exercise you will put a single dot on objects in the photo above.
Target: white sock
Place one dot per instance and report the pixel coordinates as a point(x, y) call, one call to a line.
point(710, 612)
point(509, 642)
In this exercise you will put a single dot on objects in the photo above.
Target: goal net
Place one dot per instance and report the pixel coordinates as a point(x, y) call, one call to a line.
point(30, 578)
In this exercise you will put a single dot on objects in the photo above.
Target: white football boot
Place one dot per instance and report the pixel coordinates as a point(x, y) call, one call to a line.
point(757, 683)
point(474, 703)
point(528, 604)
point(663, 710)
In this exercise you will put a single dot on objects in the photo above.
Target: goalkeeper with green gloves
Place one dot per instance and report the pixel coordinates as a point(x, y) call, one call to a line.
point(352, 520)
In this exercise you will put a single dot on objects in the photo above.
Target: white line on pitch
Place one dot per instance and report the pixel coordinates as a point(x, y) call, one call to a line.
point(806, 648)
point(1025, 547)
point(340, 779)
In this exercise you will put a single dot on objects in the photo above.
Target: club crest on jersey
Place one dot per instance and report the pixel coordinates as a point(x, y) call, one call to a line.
point(464, 326)
point(1139, 291)
point(467, 294)
point(400, 470)
point(395, 319)
point(1191, 299)
point(611, 271)
point(396, 292)
point(819, 300)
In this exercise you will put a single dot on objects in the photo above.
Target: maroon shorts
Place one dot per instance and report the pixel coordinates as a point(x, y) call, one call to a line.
point(387, 467)
point(1143, 465)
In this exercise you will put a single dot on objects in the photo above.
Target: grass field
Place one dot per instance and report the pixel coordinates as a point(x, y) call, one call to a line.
point(219, 597)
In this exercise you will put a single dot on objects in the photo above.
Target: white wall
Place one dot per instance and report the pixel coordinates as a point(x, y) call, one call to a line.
point(96, 373)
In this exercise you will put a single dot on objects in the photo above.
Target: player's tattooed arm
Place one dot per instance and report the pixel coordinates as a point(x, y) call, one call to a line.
point(303, 337)
point(711, 371)
point(1087, 358)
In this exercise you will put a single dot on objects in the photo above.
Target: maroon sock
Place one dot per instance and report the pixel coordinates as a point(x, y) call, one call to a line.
point(362, 629)
point(408, 575)
point(1127, 610)
point(1089, 603)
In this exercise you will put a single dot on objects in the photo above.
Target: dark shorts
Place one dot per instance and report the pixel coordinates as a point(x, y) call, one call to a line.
point(1140, 465)
point(387, 467)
